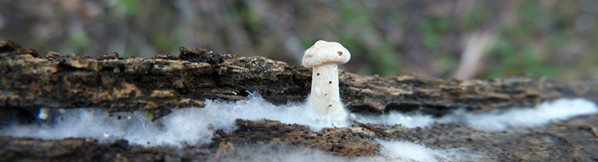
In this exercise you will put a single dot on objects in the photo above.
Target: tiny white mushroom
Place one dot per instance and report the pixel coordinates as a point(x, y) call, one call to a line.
point(324, 99)
point(43, 113)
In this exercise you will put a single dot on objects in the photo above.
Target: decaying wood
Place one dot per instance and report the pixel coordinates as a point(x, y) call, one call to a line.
point(30, 82)
point(552, 143)
point(167, 82)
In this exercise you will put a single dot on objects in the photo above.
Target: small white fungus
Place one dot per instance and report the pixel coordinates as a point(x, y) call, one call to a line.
point(324, 99)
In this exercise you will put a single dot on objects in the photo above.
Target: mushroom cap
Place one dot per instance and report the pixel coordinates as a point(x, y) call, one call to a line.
point(325, 52)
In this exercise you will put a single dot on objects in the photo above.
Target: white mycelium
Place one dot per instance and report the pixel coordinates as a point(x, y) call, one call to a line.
point(196, 126)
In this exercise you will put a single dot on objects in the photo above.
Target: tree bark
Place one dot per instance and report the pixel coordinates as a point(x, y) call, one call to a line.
point(164, 82)
point(167, 82)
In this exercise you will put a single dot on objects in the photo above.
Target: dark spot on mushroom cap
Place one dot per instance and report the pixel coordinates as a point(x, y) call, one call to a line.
point(330, 105)
point(318, 74)
point(340, 53)
point(330, 82)
point(325, 94)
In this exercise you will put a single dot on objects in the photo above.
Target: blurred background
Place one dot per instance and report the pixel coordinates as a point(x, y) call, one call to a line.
point(430, 38)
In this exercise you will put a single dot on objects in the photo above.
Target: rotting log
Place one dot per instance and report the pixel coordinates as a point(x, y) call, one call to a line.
point(30, 82)
point(167, 82)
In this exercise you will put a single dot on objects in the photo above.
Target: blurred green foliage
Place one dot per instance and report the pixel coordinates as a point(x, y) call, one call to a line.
point(131, 7)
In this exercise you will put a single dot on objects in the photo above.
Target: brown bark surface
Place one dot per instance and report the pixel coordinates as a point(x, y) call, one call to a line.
point(30, 82)
point(166, 82)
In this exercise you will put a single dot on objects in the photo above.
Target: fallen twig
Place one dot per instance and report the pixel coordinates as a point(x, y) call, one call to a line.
point(374, 129)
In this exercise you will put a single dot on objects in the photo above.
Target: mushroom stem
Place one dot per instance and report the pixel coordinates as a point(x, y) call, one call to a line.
point(325, 98)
